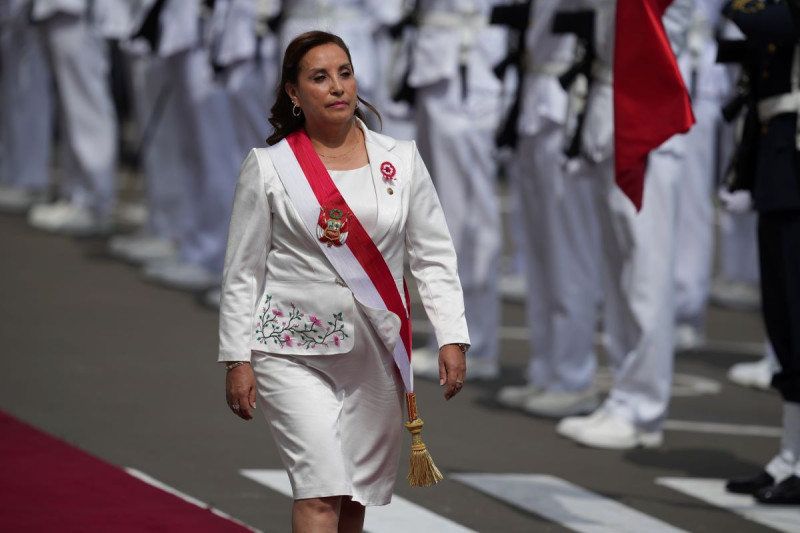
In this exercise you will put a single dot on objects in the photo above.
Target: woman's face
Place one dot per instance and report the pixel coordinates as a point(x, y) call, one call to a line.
point(326, 88)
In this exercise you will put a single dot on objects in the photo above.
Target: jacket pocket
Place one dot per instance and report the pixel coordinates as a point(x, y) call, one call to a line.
point(304, 318)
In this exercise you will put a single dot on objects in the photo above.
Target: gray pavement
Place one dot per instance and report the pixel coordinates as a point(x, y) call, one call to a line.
point(126, 371)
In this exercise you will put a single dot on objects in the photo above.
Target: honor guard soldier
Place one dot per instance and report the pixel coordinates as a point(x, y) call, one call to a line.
point(207, 143)
point(156, 111)
point(638, 251)
point(559, 231)
point(79, 63)
point(774, 72)
point(458, 106)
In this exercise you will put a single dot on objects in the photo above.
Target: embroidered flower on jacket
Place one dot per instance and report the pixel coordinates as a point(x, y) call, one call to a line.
point(297, 330)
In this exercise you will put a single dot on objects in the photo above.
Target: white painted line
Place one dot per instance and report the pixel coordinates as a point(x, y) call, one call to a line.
point(564, 503)
point(781, 518)
point(185, 497)
point(400, 516)
point(723, 429)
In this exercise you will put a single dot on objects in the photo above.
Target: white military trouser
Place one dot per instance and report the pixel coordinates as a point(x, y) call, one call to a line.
point(639, 254)
point(26, 120)
point(80, 65)
point(160, 129)
point(560, 242)
point(696, 215)
point(456, 140)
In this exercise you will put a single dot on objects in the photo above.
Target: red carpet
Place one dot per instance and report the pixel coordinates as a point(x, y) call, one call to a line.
point(48, 485)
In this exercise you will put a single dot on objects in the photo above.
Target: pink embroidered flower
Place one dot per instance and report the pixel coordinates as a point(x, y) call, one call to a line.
point(336, 340)
point(277, 312)
point(388, 171)
point(287, 339)
point(263, 309)
point(314, 320)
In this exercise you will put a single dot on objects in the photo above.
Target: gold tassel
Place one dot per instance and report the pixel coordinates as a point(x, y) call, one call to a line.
point(422, 471)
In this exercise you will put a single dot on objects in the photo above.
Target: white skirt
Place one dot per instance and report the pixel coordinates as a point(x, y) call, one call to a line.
point(336, 419)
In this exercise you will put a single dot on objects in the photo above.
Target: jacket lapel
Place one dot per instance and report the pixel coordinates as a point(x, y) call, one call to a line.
point(382, 160)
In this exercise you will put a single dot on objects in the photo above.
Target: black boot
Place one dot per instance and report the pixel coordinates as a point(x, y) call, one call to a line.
point(787, 492)
point(750, 485)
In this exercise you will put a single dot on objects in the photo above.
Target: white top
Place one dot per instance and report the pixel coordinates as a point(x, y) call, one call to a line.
point(358, 189)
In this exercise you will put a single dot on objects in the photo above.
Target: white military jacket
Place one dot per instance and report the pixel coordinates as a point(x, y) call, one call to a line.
point(279, 292)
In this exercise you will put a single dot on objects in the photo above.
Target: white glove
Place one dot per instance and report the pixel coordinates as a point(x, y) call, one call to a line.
point(736, 202)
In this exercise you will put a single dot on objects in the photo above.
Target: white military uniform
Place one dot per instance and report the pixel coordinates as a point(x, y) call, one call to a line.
point(26, 122)
point(559, 223)
point(80, 65)
point(457, 117)
point(638, 250)
point(710, 87)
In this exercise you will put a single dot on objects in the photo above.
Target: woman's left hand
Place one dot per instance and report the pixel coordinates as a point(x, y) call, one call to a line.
point(452, 369)
point(240, 391)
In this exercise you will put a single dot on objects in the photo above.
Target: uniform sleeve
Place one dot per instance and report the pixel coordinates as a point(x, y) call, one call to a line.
point(432, 259)
point(763, 21)
point(249, 239)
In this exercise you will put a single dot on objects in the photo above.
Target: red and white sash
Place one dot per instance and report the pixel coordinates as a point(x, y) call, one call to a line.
point(358, 261)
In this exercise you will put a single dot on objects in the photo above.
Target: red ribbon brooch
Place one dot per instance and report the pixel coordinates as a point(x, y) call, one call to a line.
point(388, 171)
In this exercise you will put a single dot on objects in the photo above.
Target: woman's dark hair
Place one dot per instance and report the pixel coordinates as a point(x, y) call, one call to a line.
point(282, 119)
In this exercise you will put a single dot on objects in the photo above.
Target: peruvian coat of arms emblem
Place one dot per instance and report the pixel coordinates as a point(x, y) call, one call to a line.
point(332, 226)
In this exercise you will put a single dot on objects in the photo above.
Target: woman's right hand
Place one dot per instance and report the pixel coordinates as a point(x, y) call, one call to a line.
point(240, 390)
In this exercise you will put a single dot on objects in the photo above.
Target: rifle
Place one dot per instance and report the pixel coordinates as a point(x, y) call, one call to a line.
point(741, 170)
point(581, 24)
point(515, 17)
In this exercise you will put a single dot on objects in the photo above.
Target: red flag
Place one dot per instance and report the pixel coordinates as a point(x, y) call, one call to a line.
point(651, 103)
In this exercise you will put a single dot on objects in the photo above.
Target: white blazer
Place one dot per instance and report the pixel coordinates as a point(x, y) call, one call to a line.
point(275, 271)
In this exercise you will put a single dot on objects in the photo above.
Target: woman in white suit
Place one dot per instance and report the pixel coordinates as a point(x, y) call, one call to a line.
point(300, 327)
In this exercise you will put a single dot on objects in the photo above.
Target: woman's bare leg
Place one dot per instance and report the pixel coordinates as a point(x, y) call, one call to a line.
point(317, 515)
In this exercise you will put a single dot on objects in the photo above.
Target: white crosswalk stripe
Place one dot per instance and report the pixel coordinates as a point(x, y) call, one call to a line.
point(781, 518)
point(401, 516)
point(564, 503)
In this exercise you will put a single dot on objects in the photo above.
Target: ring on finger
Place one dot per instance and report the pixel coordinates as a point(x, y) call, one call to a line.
point(235, 407)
